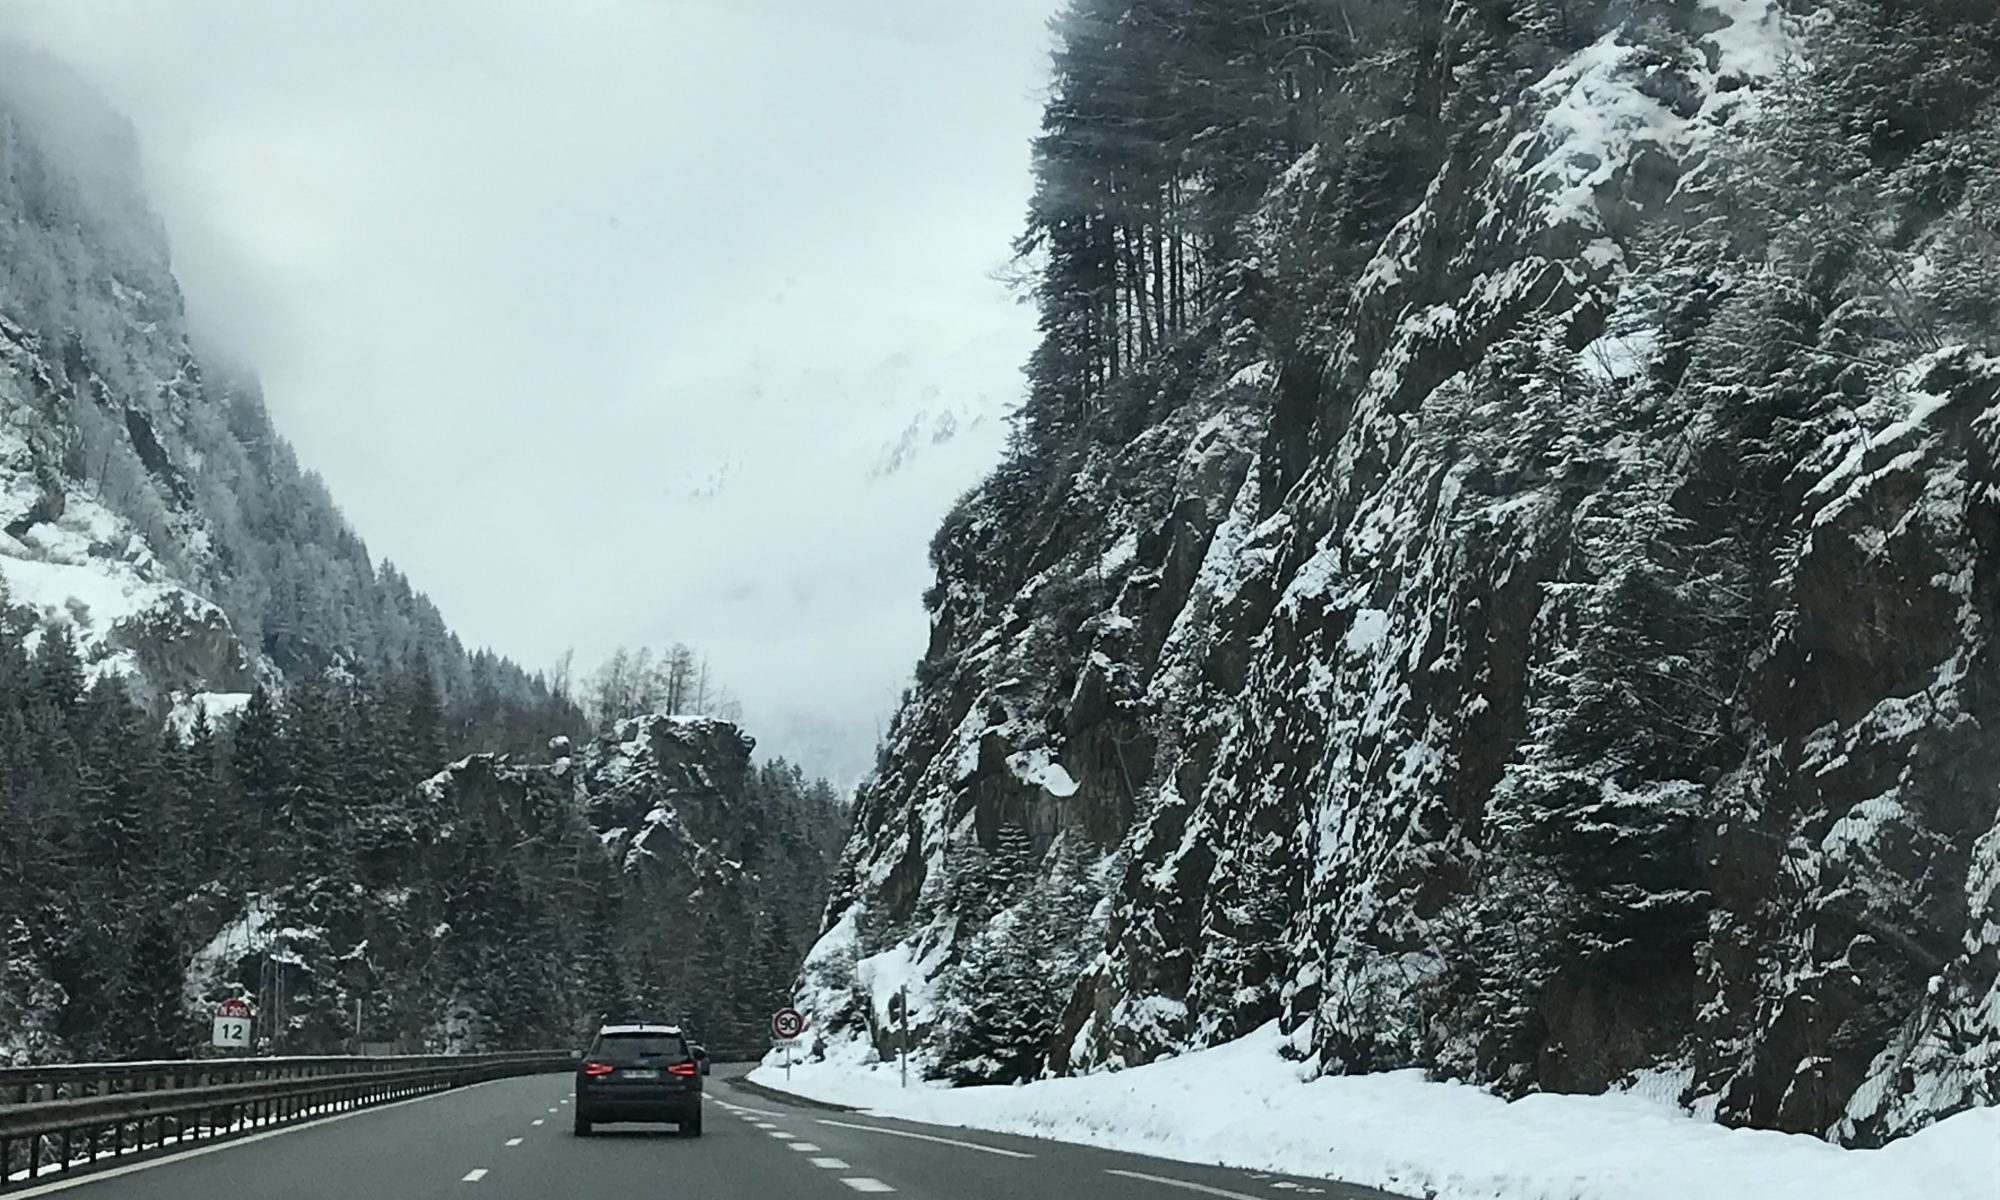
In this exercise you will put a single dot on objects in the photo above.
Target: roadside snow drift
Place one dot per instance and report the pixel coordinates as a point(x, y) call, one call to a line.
point(1244, 1105)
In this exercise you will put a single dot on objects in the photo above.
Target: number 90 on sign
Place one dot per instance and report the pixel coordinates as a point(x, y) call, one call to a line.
point(231, 1033)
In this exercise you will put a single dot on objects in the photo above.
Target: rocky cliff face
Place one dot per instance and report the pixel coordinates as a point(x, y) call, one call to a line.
point(1535, 625)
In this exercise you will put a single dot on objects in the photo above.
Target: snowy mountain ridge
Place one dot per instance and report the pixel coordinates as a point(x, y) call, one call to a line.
point(514, 902)
point(146, 503)
point(1531, 625)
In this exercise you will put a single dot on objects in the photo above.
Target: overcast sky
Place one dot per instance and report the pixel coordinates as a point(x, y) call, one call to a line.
point(603, 318)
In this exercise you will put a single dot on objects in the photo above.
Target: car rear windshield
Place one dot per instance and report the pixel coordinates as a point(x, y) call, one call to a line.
point(633, 1047)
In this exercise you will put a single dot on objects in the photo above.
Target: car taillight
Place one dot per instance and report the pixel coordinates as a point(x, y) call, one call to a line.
point(682, 1069)
point(595, 1069)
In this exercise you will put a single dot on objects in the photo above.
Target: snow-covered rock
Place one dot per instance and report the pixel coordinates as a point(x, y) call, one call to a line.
point(1542, 641)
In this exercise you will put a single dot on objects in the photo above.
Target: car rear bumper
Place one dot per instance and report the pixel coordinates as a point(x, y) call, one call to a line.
point(639, 1104)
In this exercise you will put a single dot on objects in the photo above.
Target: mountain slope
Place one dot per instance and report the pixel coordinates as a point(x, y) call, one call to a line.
point(239, 759)
point(1495, 572)
point(652, 870)
point(145, 501)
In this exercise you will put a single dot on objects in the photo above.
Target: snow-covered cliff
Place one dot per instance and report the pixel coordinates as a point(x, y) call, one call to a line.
point(1528, 617)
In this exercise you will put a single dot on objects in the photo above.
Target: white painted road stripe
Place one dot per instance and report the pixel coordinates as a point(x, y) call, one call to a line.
point(513, 1141)
point(868, 1185)
point(925, 1137)
point(805, 1147)
point(536, 1121)
point(779, 1133)
point(829, 1164)
point(763, 1125)
point(474, 1175)
point(1183, 1184)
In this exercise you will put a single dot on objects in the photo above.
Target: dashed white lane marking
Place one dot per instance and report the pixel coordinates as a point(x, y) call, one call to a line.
point(762, 1112)
point(864, 1184)
point(830, 1164)
point(779, 1133)
point(474, 1175)
point(763, 1125)
point(925, 1137)
point(805, 1147)
point(552, 1110)
point(513, 1141)
point(1183, 1184)
point(536, 1121)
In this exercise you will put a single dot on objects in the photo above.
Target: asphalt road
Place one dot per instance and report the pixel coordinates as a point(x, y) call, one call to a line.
point(511, 1140)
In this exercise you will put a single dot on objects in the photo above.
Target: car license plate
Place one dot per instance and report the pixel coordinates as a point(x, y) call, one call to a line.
point(640, 1074)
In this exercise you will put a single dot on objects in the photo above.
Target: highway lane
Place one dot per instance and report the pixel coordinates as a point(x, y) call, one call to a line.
point(511, 1140)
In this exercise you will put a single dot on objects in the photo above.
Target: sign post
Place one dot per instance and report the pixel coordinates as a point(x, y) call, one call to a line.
point(786, 1025)
point(231, 1030)
point(899, 1008)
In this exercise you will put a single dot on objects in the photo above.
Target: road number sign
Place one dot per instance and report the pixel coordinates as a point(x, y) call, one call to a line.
point(232, 1025)
point(231, 1033)
point(787, 1024)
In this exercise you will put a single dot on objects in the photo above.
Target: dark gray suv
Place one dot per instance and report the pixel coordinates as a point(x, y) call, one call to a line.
point(640, 1073)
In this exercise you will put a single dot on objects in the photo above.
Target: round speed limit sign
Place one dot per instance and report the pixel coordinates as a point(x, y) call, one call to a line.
point(787, 1024)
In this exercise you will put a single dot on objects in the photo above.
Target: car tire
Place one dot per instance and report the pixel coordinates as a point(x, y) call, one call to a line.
point(691, 1128)
point(582, 1124)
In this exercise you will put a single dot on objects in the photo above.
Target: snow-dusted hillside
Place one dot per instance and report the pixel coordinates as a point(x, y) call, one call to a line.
point(512, 903)
point(1531, 622)
point(146, 504)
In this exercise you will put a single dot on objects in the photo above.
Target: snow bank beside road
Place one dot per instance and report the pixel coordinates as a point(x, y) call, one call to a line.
point(1243, 1105)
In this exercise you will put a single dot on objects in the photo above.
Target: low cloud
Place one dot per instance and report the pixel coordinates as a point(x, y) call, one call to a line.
point(597, 317)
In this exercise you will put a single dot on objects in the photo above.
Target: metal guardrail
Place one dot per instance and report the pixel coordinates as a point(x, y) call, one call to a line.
point(65, 1119)
point(28, 1085)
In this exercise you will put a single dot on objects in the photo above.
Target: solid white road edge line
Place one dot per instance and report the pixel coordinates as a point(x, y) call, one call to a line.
point(1183, 1184)
point(84, 1177)
point(925, 1137)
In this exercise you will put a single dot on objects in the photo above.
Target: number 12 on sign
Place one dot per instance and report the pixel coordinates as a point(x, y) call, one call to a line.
point(231, 1033)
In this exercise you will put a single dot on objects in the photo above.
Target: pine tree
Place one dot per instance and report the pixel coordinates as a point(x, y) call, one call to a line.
point(259, 754)
point(150, 1021)
point(210, 824)
point(30, 1001)
point(58, 681)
